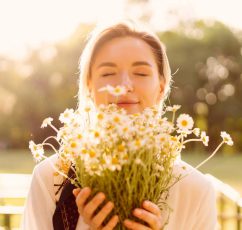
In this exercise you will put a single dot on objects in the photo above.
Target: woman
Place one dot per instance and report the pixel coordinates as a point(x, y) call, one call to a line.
point(120, 54)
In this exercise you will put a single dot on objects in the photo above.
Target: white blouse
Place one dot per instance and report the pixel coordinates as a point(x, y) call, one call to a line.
point(192, 199)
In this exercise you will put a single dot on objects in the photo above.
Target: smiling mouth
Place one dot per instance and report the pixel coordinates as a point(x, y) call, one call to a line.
point(127, 103)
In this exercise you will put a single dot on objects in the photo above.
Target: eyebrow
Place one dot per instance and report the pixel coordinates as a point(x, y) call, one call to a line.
point(111, 64)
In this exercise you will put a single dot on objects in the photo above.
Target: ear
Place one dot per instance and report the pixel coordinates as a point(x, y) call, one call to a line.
point(162, 88)
point(89, 85)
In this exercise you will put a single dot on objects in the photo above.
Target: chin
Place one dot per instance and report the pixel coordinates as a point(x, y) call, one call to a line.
point(132, 109)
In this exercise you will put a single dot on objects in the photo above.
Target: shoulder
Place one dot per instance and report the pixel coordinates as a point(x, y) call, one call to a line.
point(46, 167)
point(192, 199)
point(193, 182)
point(44, 175)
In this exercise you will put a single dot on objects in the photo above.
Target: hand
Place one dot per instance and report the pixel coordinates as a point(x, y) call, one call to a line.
point(87, 210)
point(150, 213)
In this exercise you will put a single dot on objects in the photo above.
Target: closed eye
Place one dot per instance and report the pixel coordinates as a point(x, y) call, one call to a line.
point(141, 74)
point(107, 74)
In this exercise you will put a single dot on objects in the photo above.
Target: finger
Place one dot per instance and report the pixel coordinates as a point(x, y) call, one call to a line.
point(92, 205)
point(151, 219)
point(151, 207)
point(112, 223)
point(134, 225)
point(76, 191)
point(82, 197)
point(100, 217)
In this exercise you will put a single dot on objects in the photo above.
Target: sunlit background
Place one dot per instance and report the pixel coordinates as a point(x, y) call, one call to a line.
point(40, 46)
point(29, 23)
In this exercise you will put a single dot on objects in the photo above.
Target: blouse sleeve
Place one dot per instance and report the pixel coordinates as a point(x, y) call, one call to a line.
point(40, 203)
point(207, 212)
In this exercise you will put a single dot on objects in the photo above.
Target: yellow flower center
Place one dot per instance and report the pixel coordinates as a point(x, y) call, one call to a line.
point(73, 144)
point(184, 123)
point(114, 160)
point(174, 138)
point(102, 161)
point(137, 143)
point(126, 157)
point(92, 153)
point(94, 167)
point(125, 129)
point(116, 119)
point(87, 109)
point(117, 90)
point(84, 151)
point(121, 148)
point(100, 116)
point(96, 134)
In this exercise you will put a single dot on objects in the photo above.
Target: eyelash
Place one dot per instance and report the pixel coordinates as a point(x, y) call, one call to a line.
point(109, 74)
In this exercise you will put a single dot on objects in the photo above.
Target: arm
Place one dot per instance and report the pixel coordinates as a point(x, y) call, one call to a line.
point(40, 205)
point(207, 212)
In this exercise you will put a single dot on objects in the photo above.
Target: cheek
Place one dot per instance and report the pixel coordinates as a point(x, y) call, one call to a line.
point(148, 91)
point(99, 97)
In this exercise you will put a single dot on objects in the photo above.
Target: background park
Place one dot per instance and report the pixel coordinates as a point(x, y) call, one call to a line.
point(205, 55)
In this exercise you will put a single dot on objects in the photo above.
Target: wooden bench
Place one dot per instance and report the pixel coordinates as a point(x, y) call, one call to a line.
point(12, 187)
point(225, 194)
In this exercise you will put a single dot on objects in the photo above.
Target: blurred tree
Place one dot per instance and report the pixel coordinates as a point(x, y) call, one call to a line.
point(208, 83)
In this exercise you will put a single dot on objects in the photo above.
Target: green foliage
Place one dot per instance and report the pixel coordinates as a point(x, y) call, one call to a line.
point(208, 83)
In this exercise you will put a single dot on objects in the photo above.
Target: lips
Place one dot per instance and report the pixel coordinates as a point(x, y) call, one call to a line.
point(127, 103)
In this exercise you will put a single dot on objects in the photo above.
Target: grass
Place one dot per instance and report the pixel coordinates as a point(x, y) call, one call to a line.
point(225, 168)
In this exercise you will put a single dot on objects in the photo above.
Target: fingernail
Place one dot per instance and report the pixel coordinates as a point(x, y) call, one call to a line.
point(101, 196)
point(86, 189)
point(146, 203)
point(137, 212)
point(110, 204)
point(127, 222)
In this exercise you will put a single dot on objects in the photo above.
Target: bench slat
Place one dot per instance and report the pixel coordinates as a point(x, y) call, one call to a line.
point(11, 210)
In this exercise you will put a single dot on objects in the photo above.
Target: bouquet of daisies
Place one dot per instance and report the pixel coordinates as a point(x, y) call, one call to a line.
point(128, 157)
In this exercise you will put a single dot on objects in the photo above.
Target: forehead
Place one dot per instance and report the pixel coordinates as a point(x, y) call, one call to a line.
point(124, 50)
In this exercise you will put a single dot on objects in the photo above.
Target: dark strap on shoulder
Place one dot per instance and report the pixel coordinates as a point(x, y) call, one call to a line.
point(66, 213)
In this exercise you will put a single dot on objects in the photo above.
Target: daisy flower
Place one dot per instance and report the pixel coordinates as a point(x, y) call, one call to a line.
point(107, 88)
point(66, 116)
point(226, 138)
point(115, 91)
point(118, 91)
point(196, 132)
point(37, 151)
point(204, 138)
point(173, 108)
point(184, 122)
point(46, 121)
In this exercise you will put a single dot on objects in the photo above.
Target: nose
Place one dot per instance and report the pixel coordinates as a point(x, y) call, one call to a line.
point(127, 82)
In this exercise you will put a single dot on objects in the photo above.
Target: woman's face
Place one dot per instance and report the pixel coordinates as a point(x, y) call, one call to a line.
point(128, 62)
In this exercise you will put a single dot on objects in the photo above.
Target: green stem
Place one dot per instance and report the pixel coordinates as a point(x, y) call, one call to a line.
point(53, 127)
point(207, 159)
point(190, 140)
point(50, 138)
point(173, 117)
